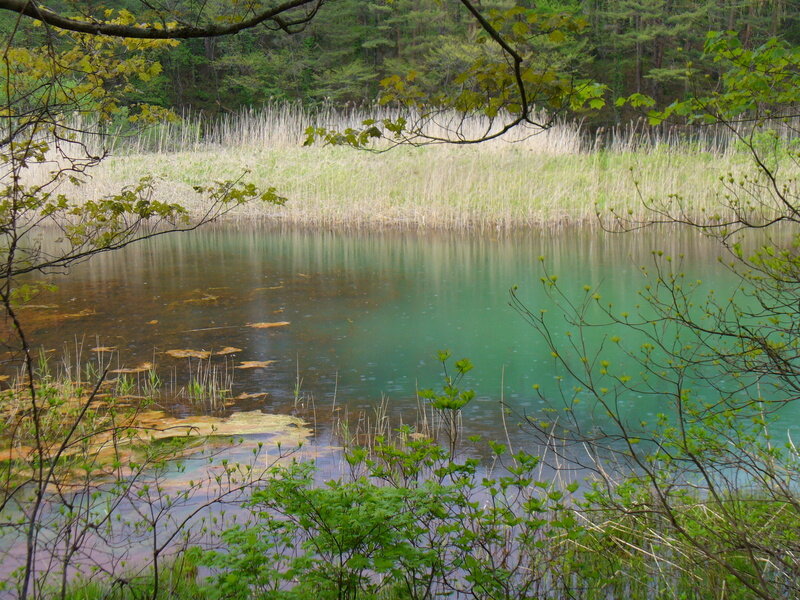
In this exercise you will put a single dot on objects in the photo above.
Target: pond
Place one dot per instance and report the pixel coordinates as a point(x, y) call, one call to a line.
point(357, 316)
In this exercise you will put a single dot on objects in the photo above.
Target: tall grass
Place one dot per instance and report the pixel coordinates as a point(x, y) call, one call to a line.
point(561, 175)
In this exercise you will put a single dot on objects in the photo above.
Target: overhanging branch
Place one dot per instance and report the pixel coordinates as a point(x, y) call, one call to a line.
point(32, 9)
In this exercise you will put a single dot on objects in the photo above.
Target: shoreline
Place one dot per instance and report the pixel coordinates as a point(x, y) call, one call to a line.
point(552, 180)
point(437, 188)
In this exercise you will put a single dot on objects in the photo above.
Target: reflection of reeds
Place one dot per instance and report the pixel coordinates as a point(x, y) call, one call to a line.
point(559, 176)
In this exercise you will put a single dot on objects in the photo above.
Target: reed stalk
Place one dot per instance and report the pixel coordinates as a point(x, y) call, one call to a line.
point(561, 176)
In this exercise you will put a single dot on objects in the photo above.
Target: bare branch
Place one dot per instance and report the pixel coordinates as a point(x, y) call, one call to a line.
point(32, 9)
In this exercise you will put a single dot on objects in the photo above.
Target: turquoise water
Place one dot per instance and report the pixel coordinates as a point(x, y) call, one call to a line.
point(367, 310)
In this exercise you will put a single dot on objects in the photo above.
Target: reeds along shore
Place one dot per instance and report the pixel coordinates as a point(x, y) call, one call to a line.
point(558, 176)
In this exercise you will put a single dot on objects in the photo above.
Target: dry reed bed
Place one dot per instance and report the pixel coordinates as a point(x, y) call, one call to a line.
point(558, 176)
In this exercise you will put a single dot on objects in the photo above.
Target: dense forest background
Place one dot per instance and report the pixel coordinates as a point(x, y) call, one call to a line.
point(654, 47)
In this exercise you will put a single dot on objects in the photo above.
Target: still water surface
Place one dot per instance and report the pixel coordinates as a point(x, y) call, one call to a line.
point(367, 310)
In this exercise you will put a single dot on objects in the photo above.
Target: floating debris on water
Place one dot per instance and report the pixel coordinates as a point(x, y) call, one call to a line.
point(227, 350)
point(108, 443)
point(83, 313)
point(142, 368)
point(158, 424)
point(201, 354)
point(196, 297)
point(246, 396)
point(205, 299)
point(37, 307)
point(268, 325)
point(254, 364)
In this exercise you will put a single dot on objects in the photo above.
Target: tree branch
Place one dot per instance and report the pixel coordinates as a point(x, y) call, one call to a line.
point(32, 9)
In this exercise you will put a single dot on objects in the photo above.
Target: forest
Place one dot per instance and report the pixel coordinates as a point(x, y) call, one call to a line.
point(653, 47)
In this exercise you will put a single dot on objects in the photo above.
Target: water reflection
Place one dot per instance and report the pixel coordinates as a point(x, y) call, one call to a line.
point(367, 310)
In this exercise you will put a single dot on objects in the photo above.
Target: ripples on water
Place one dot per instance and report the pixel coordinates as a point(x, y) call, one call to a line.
point(367, 310)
